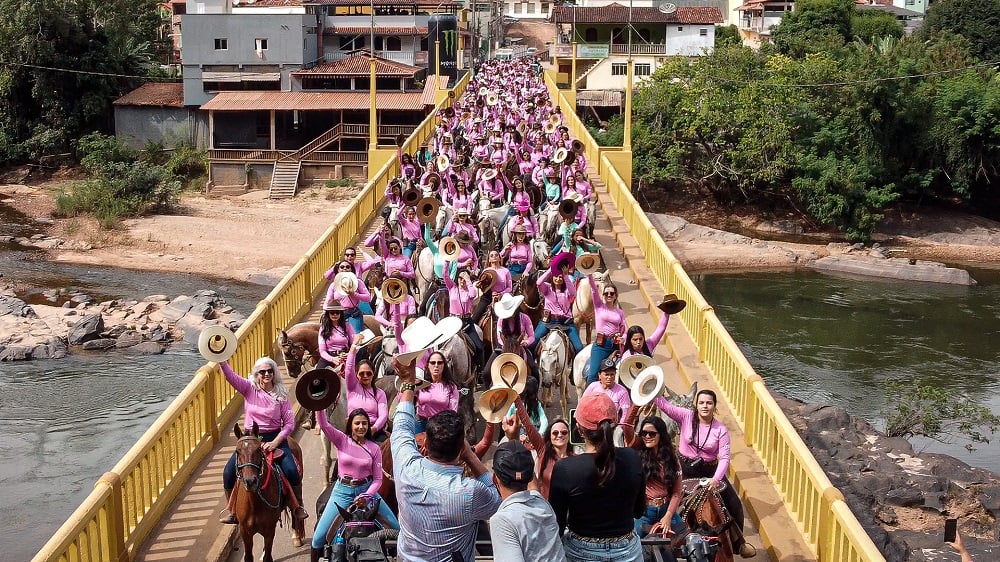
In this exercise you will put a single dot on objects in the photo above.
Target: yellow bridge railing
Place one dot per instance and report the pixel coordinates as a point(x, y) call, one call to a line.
point(825, 520)
point(128, 501)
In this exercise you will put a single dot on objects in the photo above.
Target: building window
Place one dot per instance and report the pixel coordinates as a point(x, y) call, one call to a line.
point(619, 68)
point(617, 36)
point(530, 8)
point(643, 69)
point(260, 44)
point(351, 43)
point(590, 35)
point(645, 35)
point(393, 43)
point(703, 32)
point(517, 7)
point(221, 44)
point(545, 8)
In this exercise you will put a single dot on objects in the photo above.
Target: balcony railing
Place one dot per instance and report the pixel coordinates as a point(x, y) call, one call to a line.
point(601, 50)
point(411, 58)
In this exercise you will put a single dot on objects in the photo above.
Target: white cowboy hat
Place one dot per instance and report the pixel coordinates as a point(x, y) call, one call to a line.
point(507, 305)
point(588, 263)
point(346, 281)
point(647, 386)
point(423, 334)
point(217, 343)
point(509, 371)
point(630, 367)
point(489, 174)
point(494, 403)
point(450, 248)
point(368, 337)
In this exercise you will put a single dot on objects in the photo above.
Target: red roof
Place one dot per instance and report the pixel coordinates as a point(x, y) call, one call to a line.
point(306, 101)
point(617, 13)
point(359, 64)
point(155, 94)
point(268, 3)
point(442, 4)
point(430, 91)
point(379, 29)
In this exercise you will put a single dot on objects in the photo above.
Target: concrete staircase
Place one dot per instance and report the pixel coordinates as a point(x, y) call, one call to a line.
point(284, 179)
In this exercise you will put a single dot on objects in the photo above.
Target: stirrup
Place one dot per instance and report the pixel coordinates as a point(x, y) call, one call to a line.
point(300, 513)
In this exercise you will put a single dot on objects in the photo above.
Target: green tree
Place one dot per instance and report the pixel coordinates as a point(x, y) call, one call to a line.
point(976, 20)
point(815, 26)
point(913, 409)
point(869, 25)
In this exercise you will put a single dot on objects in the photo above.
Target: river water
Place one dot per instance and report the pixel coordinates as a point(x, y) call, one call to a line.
point(822, 338)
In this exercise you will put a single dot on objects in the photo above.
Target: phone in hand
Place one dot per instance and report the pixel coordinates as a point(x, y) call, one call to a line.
point(950, 529)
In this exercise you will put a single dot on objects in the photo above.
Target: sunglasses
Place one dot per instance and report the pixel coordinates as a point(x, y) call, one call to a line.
point(345, 268)
point(609, 294)
point(650, 434)
point(559, 432)
point(349, 254)
point(266, 371)
point(435, 362)
point(366, 373)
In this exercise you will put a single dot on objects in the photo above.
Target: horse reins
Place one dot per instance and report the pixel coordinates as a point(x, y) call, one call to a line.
point(258, 489)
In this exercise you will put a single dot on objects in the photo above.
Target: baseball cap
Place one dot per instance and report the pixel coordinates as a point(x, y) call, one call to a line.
point(593, 409)
point(609, 364)
point(512, 462)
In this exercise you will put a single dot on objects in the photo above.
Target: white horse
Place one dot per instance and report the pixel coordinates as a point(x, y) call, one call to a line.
point(554, 367)
point(424, 272)
point(444, 217)
point(580, 362)
point(489, 220)
point(540, 251)
point(548, 223)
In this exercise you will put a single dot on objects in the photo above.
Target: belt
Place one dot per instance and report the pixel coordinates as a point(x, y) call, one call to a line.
point(604, 540)
point(689, 460)
point(658, 502)
point(465, 316)
point(350, 481)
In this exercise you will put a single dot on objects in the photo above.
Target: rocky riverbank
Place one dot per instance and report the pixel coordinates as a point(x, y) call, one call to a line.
point(901, 497)
point(143, 327)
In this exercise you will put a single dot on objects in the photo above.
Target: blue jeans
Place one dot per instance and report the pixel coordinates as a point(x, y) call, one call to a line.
point(598, 353)
point(652, 516)
point(355, 319)
point(629, 550)
point(286, 463)
point(409, 248)
point(571, 331)
point(517, 268)
point(343, 495)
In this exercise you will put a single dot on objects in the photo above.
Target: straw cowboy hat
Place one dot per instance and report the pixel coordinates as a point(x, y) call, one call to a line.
point(507, 305)
point(217, 343)
point(559, 155)
point(563, 259)
point(630, 367)
point(509, 370)
point(450, 248)
point(368, 337)
point(494, 403)
point(487, 280)
point(427, 209)
point(489, 174)
point(588, 263)
point(442, 161)
point(317, 389)
point(647, 386)
point(424, 334)
point(394, 290)
point(464, 238)
point(346, 281)
point(671, 304)
point(551, 127)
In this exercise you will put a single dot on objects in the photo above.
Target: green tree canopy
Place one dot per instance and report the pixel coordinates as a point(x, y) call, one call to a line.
point(976, 20)
point(814, 26)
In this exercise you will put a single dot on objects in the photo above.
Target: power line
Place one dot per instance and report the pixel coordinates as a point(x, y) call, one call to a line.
point(853, 82)
point(88, 72)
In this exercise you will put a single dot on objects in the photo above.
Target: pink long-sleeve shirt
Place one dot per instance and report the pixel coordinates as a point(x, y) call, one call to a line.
point(373, 399)
point(412, 229)
point(348, 301)
point(617, 393)
point(339, 340)
point(396, 312)
point(259, 406)
point(354, 460)
point(607, 320)
point(653, 340)
point(520, 253)
point(711, 442)
point(437, 398)
point(557, 302)
point(461, 301)
point(526, 328)
point(505, 282)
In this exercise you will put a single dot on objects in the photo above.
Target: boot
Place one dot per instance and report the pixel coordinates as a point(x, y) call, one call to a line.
point(311, 422)
point(226, 517)
point(299, 512)
point(315, 554)
point(746, 550)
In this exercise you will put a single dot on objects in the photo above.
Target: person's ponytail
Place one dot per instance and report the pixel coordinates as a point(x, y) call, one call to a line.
point(603, 440)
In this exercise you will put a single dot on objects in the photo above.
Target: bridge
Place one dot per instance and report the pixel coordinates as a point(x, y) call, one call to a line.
point(160, 501)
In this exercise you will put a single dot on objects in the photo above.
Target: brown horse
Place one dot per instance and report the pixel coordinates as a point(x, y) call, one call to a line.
point(704, 513)
point(532, 303)
point(262, 496)
point(299, 347)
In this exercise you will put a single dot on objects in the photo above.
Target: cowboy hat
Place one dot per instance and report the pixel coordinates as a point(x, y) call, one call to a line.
point(333, 306)
point(450, 248)
point(423, 334)
point(563, 259)
point(368, 337)
point(559, 155)
point(588, 263)
point(419, 383)
point(492, 99)
point(630, 367)
point(346, 282)
point(520, 228)
point(442, 161)
point(427, 209)
point(522, 206)
point(401, 139)
point(647, 386)
point(494, 403)
point(412, 195)
point(568, 208)
point(577, 146)
point(217, 343)
point(671, 304)
point(569, 159)
point(463, 237)
point(394, 291)
point(433, 178)
point(554, 119)
point(507, 305)
point(509, 371)
point(489, 174)
point(487, 280)
point(317, 389)
point(550, 128)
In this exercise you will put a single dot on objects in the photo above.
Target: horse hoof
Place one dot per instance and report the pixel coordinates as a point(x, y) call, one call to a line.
point(296, 541)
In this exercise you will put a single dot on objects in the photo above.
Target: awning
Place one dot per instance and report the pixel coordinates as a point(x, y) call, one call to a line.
point(430, 91)
point(313, 101)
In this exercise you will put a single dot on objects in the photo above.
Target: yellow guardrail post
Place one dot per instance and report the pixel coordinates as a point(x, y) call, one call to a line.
point(114, 541)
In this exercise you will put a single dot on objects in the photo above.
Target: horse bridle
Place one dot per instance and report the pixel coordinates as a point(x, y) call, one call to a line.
point(258, 489)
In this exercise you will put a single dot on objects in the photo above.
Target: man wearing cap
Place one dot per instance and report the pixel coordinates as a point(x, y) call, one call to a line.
point(607, 383)
point(525, 527)
point(439, 508)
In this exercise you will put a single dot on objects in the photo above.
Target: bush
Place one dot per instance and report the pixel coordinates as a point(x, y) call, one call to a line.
point(124, 190)
point(96, 152)
point(187, 163)
point(914, 409)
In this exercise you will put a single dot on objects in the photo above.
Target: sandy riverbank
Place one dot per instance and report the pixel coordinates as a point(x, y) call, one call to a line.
point(248, 237)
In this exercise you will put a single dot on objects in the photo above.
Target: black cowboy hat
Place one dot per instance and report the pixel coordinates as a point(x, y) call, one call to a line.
point(672, 304)
point(317, 389)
